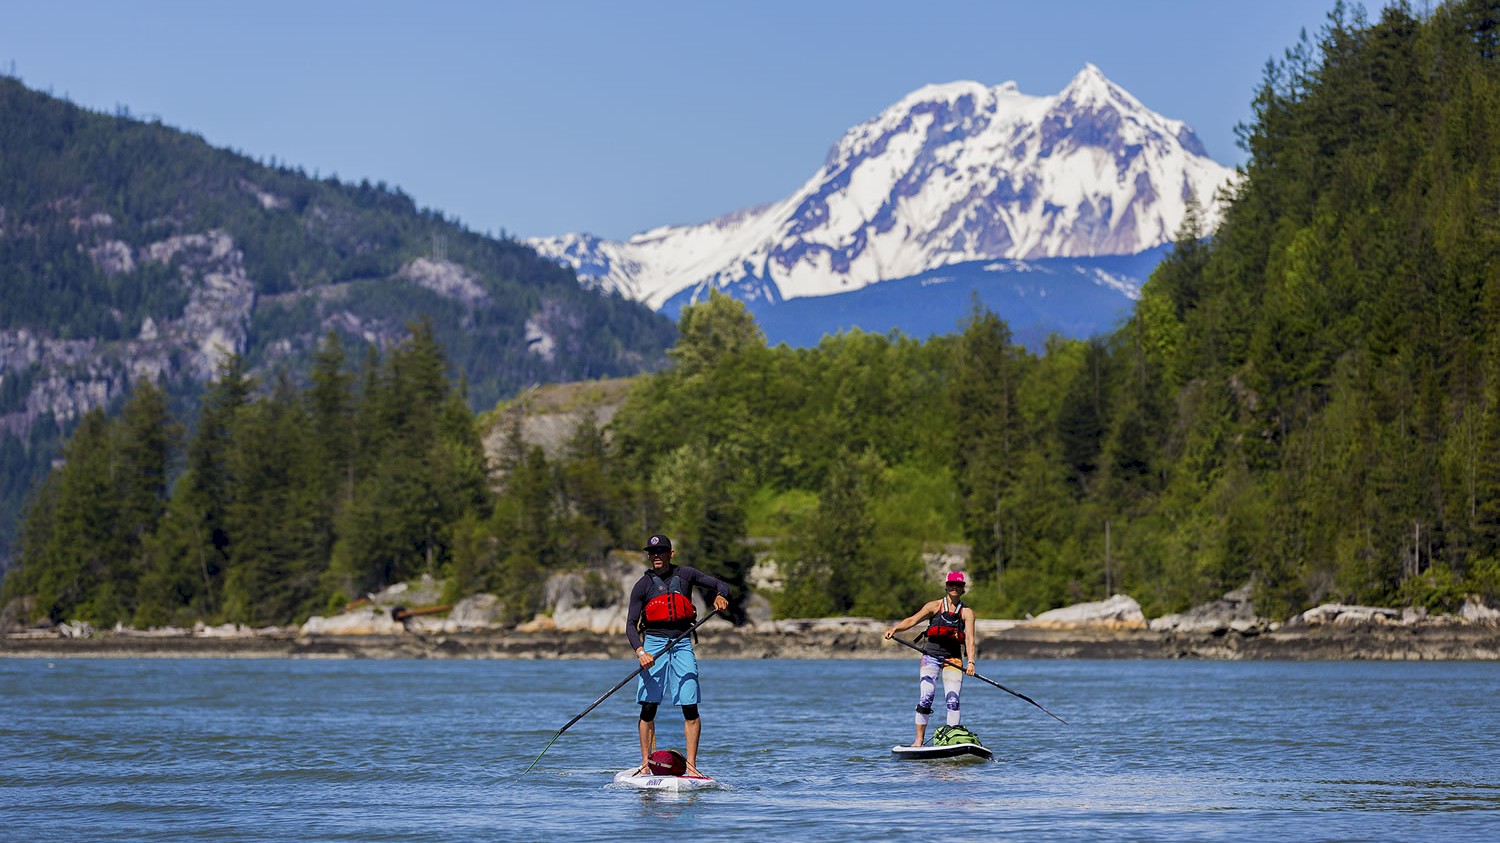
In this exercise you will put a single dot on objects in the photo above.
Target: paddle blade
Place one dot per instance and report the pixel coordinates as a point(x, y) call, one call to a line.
point(539, 755)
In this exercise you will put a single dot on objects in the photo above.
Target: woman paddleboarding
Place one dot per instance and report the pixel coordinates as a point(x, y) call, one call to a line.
point(949, 637)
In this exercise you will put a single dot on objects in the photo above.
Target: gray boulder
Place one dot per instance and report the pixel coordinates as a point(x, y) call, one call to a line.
point(1233, 612)
point(1474, 610)
point(1118, 612)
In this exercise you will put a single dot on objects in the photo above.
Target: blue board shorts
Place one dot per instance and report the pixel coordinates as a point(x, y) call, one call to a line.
point(673, 680)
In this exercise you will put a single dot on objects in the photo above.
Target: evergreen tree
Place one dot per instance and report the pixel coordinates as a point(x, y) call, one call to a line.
point(429, 470)
point(595, 510)
point(66, 541)
point(525, 526)
point(988, 436)
point(208, 483)
point(1082, 418)
point(82, 547)
point(706, 518)
point(277, 514)
point(330, 406)
point(146, 446)
point(828, 566)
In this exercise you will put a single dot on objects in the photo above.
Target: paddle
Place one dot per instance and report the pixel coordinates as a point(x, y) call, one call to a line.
point(958, 664)
point(678, 637)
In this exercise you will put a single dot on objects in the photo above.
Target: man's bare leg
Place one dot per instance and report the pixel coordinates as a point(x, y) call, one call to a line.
point(921, 734)
point(648, 742)
point(691, 730)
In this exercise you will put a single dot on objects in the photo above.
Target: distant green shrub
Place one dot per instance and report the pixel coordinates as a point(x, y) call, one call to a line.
point(1435, 589)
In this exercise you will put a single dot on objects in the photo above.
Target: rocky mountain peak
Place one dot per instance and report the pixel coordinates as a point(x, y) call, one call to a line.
point(1091, 88)
point(951, 173)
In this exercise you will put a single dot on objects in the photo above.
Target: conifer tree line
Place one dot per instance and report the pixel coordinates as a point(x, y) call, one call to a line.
point(1307, 401)
point(282, 499)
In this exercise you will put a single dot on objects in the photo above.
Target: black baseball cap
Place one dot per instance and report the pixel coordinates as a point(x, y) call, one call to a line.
point(657, 542)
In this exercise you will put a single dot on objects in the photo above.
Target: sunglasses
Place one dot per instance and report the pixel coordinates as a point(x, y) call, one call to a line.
point(655, 553)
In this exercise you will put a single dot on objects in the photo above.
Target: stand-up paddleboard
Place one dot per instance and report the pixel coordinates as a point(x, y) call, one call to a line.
point(665, 769)
point(652, 781)
point(947, 742)
point(968, 751)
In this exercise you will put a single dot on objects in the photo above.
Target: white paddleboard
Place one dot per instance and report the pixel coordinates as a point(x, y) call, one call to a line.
point(651, 781)
point(968, 751)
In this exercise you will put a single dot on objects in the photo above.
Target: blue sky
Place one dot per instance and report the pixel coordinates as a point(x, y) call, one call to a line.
point(614, 117)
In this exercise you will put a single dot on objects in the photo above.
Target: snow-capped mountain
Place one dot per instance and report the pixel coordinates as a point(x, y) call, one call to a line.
point(951, 174)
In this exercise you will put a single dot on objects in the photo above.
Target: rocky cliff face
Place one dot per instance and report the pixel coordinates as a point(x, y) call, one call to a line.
point(70, 377)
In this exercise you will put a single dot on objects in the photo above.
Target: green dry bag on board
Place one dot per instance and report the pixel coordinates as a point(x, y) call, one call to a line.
point(953, 735)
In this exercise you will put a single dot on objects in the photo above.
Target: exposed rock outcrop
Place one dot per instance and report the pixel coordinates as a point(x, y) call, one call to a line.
point(1118, 612)
point(1343, 614)
point(1235, 611)
point(1475, 611)
point(479, 612)
point(363, 620)
point(446, 278)
point(549, 415)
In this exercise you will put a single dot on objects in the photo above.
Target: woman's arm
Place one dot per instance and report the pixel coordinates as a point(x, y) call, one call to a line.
point(922, 614)
point(971, 637)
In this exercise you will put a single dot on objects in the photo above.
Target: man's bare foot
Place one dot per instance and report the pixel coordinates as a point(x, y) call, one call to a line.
point(692, 771)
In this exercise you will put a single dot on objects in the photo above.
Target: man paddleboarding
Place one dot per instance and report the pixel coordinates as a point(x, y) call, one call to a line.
point(661, 607)
point(948, 638)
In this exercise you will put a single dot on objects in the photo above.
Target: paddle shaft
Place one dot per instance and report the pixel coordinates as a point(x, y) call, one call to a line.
point(607, 694)
point(958, 664)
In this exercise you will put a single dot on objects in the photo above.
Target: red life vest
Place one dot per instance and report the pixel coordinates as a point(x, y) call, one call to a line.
point(667, 601)
point(947, 627)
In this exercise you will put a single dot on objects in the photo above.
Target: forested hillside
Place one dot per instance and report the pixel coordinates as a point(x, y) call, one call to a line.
point(133, 252)
point(1322, 379)
point(1308, 401)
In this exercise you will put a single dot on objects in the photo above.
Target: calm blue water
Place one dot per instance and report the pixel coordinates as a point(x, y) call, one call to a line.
point(278, 750)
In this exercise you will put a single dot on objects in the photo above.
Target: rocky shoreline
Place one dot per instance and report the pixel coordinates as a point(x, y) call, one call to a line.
point(842, 638)
point(382, 626)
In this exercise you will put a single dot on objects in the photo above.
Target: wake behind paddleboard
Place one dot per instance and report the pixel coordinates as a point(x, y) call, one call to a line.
point(967, 751)
point(651, 781)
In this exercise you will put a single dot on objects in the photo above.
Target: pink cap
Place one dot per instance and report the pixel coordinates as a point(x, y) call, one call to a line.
point(956, 576)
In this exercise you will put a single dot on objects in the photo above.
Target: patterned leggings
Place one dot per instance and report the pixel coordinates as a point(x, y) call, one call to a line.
point(953, 682)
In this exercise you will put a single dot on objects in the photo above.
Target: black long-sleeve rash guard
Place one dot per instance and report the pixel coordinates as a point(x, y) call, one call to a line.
point(690, 577)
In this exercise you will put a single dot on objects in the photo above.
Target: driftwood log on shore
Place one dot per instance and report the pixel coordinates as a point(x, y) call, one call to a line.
point(850, 640)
